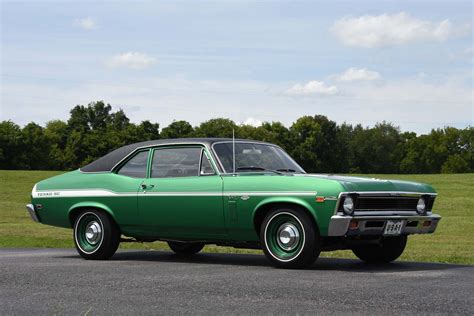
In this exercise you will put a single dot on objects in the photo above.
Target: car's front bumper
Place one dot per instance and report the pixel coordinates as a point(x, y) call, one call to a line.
point(342, 225)
point(31, 209)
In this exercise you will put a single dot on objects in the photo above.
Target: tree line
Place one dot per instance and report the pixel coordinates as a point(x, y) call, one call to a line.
point(315, 142)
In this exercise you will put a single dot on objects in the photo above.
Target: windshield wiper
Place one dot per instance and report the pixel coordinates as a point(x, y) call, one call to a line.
point(258, 168)
point(286, 170)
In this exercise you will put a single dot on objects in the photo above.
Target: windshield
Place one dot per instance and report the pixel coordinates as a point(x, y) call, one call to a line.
point(251, 157)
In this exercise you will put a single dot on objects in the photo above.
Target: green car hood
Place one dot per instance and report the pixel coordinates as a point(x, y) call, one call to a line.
point(373, 184)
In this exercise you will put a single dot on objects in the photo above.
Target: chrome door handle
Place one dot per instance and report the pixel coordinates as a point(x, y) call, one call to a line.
point(147, 186)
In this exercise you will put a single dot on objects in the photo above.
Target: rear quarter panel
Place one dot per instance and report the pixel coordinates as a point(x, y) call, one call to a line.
point(56, 195)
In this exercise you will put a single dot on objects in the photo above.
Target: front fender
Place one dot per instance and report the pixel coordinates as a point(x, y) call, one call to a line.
point(289, 200)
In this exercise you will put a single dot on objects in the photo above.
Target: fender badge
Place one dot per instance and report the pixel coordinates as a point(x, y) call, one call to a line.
point(244, 197)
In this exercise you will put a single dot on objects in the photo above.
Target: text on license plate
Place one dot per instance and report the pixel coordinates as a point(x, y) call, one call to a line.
point(393, 227)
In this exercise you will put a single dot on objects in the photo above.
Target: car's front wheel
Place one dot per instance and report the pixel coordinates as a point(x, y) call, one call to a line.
point(388, 250)
point(185, 248)
point(96, 235)
point(289, 238)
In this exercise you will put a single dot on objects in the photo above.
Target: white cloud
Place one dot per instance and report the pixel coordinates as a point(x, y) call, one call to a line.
point(312, 88)
point(358, 74)
point(86, 23)
point(252, 122)
point(132, 60)
point(416, 104)
point(389, 30)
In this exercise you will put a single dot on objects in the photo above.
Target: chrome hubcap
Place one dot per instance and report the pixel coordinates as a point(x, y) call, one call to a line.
point(93, 233)
point(288, 236)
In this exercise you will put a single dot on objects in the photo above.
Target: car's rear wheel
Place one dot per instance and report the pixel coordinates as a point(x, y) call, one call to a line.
point(185, 248)
point(388, 250)
point(96, 235)
point(289, 238)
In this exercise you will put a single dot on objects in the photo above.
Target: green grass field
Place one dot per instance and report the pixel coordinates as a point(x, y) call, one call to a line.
point(453, 242)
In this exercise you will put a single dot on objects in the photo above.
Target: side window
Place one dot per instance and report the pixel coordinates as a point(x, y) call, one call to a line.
point(206, 168)
point(176, 162)
point(136, 166)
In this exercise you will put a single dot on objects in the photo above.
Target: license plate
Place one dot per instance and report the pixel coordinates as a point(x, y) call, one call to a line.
point(393, 228)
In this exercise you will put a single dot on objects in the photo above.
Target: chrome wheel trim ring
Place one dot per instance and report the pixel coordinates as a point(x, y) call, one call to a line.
point(76, 239)
point(266, 241)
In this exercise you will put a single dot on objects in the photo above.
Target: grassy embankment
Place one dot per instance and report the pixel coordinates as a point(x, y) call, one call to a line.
point(453, 242)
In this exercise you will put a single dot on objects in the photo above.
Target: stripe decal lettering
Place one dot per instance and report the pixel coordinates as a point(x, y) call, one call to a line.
point(109, 193)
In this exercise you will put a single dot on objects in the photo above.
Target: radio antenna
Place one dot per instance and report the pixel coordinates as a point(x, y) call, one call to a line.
point(233, 149)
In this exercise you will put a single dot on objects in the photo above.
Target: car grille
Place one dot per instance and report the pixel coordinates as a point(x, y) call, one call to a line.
point(389, 203)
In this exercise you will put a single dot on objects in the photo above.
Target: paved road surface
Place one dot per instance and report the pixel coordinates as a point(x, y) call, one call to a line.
point(58, 281)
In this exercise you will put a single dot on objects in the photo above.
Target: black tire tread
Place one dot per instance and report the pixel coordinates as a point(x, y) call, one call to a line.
point(389, 250)
point(185, 248)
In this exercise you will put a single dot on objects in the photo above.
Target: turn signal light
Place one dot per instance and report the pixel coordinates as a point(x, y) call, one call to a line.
point(426, 223)
point(354, 225)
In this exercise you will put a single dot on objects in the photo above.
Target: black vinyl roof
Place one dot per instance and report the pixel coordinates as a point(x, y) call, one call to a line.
point(109, 161)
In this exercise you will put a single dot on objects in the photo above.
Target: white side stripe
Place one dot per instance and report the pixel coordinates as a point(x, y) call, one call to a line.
point(109, 193)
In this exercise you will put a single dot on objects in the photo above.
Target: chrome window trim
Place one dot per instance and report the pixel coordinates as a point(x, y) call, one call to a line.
point(221, 166)
point(145, 147)
point(124, 175)
point(200, 162)
point(206, 156)
point(153, 147)
point(184, 146)
point(93, 172)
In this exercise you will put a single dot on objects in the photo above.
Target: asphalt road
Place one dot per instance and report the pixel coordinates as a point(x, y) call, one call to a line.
point(58, 281)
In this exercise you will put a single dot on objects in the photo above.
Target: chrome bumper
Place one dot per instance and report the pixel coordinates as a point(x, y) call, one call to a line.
point(31, 209)
point(340, 225)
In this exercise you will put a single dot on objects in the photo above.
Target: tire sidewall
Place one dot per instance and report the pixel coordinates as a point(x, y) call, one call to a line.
point(76, 232)
point(110, 235)
point(310, 249)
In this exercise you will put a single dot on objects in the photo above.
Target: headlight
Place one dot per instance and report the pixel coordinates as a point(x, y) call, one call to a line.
point(421, 206)
point(348, 205)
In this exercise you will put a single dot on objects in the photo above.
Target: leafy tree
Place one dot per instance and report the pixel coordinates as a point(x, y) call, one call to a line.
point(455, 164)
point(10, 145)
point(149, 131)
point(57, 133)
point(219, 127)
point(35, 147)
point(178, 129)
point(79, 119)
point(318, 144)
point(377, 149)
point(119, 120)
point(314, 139)
point(99, 116)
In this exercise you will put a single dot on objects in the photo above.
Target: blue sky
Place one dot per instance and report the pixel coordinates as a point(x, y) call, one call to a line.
point(410, 63)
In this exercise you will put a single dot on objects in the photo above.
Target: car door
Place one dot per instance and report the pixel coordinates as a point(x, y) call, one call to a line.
point(126, 182)
point(182, 195)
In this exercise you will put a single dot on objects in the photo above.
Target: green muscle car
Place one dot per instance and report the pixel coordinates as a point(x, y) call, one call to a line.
point(240, 193)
